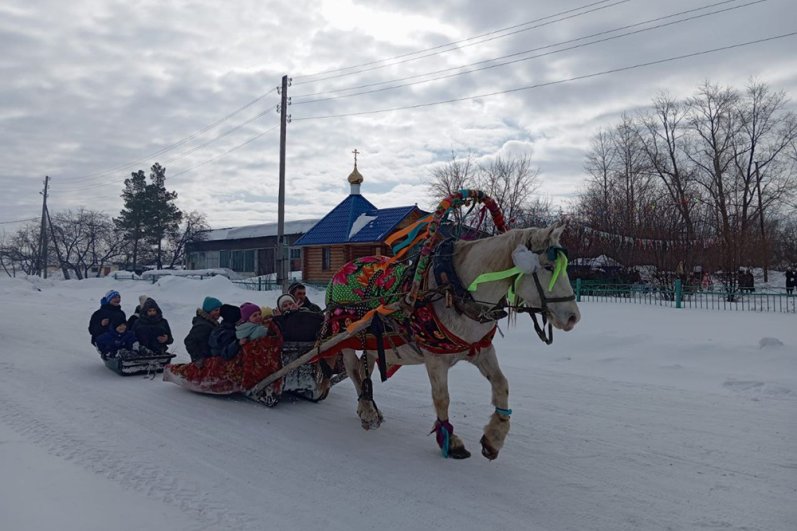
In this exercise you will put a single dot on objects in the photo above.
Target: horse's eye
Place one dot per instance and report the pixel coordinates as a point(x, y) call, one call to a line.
point(549, 267)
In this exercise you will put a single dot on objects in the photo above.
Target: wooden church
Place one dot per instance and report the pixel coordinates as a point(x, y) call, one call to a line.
point(353, 229)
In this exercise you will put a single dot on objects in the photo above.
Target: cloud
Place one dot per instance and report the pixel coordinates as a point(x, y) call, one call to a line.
point(94, 90)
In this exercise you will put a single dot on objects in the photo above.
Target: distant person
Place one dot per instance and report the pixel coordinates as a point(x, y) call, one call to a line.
point(222, 341)
point(151, 329)
point(205, 321)
point(299, 292)
point(109, 315)
point(250, 326)
point(791, 279)
point(114, 339)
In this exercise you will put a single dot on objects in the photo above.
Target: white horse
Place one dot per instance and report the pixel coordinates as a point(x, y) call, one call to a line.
point(533, 289)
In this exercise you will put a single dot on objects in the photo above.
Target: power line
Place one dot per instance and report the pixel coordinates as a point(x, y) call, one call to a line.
point(177, 144)
point(522, 53)
point(550, 83)
point(455, 43)
point(7, 222)
point(227, 152)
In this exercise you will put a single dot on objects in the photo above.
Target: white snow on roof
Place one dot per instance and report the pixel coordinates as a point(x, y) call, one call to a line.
point(259, 231)
point(359, 223)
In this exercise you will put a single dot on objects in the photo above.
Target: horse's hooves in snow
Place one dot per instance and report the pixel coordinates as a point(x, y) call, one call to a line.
point(372, 424)
point(458, 453)
point(487, 449)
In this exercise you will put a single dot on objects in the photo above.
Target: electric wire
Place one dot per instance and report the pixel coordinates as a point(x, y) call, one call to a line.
point(560, 43)
point(17, 221)
point(550, 83)
point(406, 59)
point(174, 145)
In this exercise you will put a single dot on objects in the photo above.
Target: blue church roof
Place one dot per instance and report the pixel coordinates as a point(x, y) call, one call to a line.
point(354, 220)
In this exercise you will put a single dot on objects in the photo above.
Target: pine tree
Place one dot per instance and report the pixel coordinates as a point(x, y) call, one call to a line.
point(132, 219)
point(164, 215)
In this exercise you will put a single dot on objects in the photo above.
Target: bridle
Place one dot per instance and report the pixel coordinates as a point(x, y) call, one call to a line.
point(527, 263)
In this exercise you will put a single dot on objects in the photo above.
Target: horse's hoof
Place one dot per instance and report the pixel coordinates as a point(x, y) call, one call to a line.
point(371, 424)
point(458, 453)
point(487, 449)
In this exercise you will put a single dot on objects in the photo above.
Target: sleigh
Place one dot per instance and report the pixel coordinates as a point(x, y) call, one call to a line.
point(289, 368)
point(131, 362)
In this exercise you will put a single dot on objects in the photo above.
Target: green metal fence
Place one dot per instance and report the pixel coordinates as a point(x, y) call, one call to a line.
point(679, 296)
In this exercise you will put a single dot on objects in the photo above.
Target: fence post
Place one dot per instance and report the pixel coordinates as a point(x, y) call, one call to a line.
point(578, 290)
point(678, 293)
point(259, 283)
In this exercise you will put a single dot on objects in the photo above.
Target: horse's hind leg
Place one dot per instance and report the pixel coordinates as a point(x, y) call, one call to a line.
point(451, 445)
point(496, 430)
point(370, 416)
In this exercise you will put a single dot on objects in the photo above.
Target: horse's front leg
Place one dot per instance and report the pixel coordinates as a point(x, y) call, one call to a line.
point(496, 430)
point(370, 416)
point(451, 445)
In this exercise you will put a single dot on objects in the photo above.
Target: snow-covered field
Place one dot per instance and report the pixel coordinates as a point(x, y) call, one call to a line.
point(641, 418)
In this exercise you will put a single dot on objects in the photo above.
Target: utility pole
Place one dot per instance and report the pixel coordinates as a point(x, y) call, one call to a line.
point(43, 236)
point(761, 219)
point(64, 270)
point(282, 260)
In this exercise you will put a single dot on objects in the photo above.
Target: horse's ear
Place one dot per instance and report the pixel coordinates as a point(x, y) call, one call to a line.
point(556, 230)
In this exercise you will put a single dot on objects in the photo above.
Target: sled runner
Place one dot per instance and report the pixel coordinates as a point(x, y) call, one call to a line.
point(130, 362)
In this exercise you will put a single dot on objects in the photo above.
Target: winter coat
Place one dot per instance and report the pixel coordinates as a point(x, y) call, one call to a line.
point(300, 325)
point(149, 328)
point(791, 278)
point(196, 342)
point(222, 341)
point(310, 306)
point(115, 316)
point(250, 331)
point(134, 317)
point(111, 341)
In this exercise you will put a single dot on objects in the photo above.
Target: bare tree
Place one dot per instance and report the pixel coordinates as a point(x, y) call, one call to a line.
point(194, 228)
point(511, 182)
point(21, 250)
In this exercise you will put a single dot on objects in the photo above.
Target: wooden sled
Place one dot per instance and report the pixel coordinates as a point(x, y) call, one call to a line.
point(130, 362)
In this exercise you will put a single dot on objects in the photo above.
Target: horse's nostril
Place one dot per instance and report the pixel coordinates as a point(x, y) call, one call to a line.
point(573, 319)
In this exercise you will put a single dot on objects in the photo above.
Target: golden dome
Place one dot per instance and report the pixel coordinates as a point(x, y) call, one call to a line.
point(355, 177)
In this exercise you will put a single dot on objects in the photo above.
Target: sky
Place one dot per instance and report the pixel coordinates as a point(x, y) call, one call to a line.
point(613, 427)
point(93, 90)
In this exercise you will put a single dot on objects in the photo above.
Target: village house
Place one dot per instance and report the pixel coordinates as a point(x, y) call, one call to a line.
point(249, 250)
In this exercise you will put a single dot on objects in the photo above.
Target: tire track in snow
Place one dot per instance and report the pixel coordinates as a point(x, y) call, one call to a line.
point(126, 470)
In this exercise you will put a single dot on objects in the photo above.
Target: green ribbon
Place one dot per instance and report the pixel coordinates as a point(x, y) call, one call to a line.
point(499, 275)
point(560, 265)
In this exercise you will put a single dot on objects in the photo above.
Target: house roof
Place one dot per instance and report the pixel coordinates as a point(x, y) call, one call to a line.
point(354, 220)
point(380, 223)
point(259, 231)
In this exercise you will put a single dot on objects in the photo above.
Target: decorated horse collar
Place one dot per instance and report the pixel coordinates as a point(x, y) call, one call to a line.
point(447, 279)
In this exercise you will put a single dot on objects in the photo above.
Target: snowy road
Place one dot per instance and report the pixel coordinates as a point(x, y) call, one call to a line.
point(612, 429)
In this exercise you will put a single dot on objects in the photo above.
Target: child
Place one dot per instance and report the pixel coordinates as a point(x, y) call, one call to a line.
point(286, 304)
point(151, 329)
point(250, 326)
point(108, 316)
point(205, 321)
point(222, 341)
point(116, 338)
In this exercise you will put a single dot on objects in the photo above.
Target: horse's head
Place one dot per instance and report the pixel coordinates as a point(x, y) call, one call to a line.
point(545, 283)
